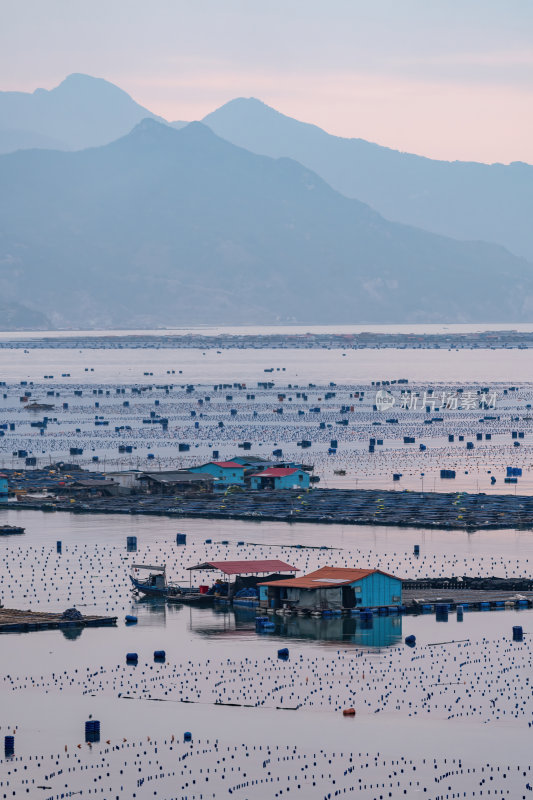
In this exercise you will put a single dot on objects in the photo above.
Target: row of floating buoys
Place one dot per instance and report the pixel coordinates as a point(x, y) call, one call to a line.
point(412, 422)
point(166, 767)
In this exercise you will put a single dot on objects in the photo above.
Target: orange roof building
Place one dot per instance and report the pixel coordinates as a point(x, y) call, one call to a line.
point(333, 588)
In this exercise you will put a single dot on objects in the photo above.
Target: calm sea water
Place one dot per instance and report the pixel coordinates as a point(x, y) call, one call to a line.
point(462, 693)
point(290, 366)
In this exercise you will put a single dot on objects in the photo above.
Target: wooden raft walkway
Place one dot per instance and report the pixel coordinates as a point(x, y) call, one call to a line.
point(416, 598)
point(14, 621)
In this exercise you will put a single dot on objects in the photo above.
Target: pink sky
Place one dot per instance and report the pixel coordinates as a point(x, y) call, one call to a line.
point(450, 80)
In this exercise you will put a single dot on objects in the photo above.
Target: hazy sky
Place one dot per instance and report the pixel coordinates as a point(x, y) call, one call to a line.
point(444, 78)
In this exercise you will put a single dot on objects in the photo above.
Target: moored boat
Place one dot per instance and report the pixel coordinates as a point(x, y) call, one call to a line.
point(155, 585)
point(7, 530)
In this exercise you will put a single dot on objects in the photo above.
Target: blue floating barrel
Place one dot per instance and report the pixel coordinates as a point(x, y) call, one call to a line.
point(441, 612)
point(159, 655)
point(459, 610)
point(416, 549)
point(181, 538)
point(518, 633)
point(410, 641)
point(131, 544)
point(130, 619)
point(187, 736)
point(92, 730)
point(208, 541)
point(283, 653)
point(58, 547)
point(132, 658)
point(9, 746)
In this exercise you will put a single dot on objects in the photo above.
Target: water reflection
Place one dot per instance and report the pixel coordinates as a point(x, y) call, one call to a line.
point(375, 633)
point(151, 611)
point(72, 633)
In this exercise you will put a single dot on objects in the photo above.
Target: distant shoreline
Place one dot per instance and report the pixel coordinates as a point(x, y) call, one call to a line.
point(314, 339)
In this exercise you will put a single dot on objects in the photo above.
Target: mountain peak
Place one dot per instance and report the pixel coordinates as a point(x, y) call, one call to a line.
point(82, 111)
point(93, 87)
point(152, 134)
point(242, 107)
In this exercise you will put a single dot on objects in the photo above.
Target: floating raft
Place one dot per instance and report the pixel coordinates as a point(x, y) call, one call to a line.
point(416, 600)
point(13, 621)
point(448, 511)
point(8, 530)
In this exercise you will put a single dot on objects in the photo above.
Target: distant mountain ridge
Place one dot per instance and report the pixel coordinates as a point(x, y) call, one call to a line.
point(465, 200)
point(167, 227)
point(81, 112)
point(18, 317)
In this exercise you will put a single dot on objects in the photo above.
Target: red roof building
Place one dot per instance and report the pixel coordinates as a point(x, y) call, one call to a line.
point(246, 567)
point(275, 472)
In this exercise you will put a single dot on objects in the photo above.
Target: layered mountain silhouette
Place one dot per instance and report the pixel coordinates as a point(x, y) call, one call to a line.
point(81, 112)
point(465, 200)
point(165, 226)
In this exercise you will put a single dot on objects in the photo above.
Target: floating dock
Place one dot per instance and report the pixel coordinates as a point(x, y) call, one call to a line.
point(447, 511)
point(478, 599)
point(14, 621)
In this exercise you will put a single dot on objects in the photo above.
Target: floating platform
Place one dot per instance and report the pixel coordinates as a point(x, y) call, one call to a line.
point(9, 530)
point(14, 621)
point(421, 600)
point(434, 510)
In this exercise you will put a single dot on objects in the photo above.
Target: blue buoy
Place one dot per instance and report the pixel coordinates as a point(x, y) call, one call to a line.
point(283, 653)
point(9, 746)
point(132, 658)
point(159, 655)
point(518, 633)
point(92, 730)
point(410, 641)
point(130, 619)
point(187, 736)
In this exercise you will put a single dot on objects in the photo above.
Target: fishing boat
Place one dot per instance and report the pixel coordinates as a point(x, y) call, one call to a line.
point(8, 530)
point(155, 585)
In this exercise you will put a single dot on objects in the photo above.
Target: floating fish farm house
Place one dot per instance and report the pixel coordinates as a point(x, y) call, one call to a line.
point(333, 588)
